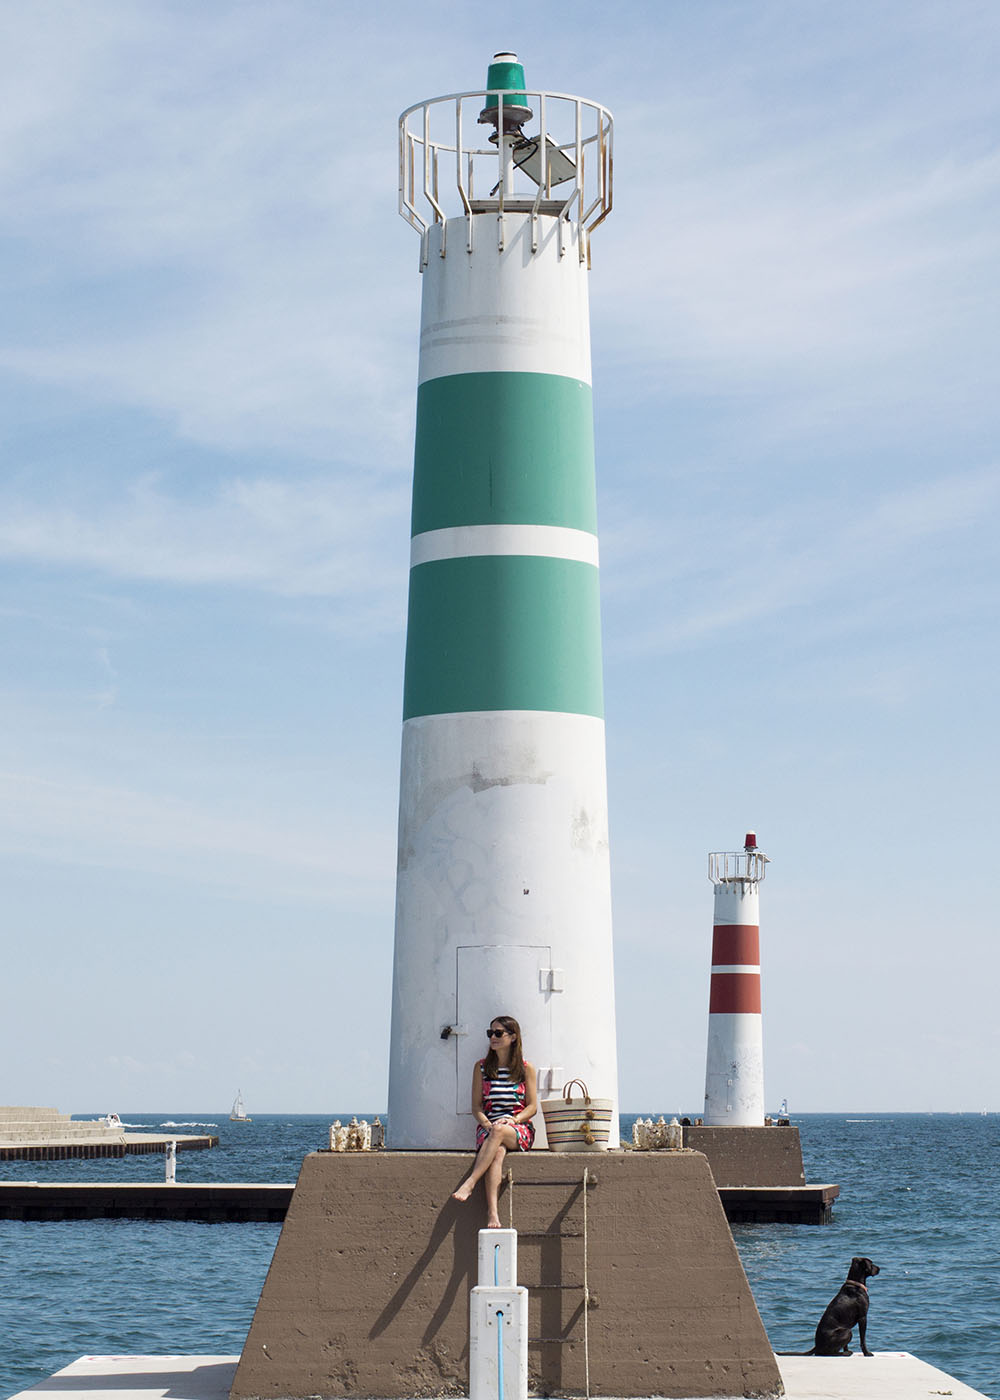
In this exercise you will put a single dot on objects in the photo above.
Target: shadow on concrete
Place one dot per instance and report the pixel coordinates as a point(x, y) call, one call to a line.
point(210, 1381)
point(453, 1221)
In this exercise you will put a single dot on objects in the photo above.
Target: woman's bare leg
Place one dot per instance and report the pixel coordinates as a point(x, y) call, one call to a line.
point(502, 1136)
point(468, 1185)
point(494, 1176)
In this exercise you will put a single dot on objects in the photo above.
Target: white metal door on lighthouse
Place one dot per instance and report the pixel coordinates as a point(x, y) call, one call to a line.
point(502, 980)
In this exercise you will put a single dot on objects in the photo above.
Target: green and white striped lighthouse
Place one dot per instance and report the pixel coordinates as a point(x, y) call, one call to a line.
point(503, 902)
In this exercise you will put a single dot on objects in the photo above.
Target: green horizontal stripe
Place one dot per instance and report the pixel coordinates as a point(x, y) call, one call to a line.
point(504, 448)
point(509, 632)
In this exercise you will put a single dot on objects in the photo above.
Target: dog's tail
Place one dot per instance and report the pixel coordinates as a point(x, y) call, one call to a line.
point(796, 1353)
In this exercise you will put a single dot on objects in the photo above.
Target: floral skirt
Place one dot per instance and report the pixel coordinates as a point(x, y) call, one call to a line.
point(525, 1135)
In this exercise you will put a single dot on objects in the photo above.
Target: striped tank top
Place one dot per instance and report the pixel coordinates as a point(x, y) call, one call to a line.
point(501, 1097)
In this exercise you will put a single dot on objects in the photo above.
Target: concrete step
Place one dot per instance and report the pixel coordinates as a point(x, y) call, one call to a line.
point(13, 1133)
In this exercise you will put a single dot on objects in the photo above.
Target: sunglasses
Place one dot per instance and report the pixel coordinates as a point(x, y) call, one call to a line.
point(491, 1034)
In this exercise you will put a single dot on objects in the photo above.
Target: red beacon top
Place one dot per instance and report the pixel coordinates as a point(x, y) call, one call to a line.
point(747, 866)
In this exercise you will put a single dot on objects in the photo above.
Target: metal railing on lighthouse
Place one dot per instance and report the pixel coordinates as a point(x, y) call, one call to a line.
point(565, 169)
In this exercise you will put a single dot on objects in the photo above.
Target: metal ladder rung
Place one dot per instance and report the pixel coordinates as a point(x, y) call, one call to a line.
point(586, 1181)
point(577, 1181)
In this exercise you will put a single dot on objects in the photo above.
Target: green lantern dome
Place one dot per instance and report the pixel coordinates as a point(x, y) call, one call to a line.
point(506, 75)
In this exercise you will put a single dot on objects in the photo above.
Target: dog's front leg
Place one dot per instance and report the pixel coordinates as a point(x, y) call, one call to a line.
point(862, 1332)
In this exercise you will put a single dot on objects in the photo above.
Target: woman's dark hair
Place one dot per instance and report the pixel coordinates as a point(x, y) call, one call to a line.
point(516, 1066)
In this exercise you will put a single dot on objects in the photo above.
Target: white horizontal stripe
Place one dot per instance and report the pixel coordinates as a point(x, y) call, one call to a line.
point(736, 967)
point(464, 541)
point(489, 312)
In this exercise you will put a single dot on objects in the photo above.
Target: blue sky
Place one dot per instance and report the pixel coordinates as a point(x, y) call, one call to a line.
point(207, 383)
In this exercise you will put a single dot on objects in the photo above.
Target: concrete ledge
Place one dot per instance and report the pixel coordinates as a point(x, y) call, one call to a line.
point(884, 1376)
point(140, 1378)
point(888, 1375)
point(368, 1290)
point(791, 1205)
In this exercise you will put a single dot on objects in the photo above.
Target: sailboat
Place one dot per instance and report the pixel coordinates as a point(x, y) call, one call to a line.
point(239, 1114)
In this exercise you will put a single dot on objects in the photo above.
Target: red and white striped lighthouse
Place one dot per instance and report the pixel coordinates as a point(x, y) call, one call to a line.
point(734, 1078)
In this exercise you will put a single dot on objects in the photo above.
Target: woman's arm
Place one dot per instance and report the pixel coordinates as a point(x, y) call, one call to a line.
point(530, 1095)
point(477, 1095)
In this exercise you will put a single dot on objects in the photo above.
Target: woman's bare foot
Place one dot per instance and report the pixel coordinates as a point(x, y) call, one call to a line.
point(463, 1193)
point(494, 1224)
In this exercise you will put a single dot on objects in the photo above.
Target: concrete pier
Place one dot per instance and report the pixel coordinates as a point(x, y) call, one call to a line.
point(750, 1156)
point(130, 1145)
point(46, 1135)
point(156, 1200)
point(760, 1176)
point(888, 1375)
point(785, 1205)
point(633, 1280)
point(89, 1200)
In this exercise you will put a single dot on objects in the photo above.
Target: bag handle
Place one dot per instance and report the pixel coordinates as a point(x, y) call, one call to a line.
point(567, 1087)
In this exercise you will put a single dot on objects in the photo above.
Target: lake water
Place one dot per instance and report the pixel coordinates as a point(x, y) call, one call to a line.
point(915, 1197)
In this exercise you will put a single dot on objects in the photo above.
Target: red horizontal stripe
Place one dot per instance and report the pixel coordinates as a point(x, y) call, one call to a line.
point(735, 991)
point(733, 944)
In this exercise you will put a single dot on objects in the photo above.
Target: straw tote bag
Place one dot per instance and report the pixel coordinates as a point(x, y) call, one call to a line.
point(580, 1124)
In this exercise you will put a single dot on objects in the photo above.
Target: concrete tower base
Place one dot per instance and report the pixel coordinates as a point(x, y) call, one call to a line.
point(750, 1156)
point(368, 1291)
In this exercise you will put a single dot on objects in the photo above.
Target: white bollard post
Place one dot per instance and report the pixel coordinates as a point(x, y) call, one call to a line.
point(498, 1259)
point(498, 1322)
point(171, 1162)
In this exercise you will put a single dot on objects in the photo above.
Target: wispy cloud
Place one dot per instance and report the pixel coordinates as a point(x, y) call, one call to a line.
point(106, 697)
point(207, 365)
point(727, 572)
point(314, 538)
point(225, 254)
point(208, 249)
point(813, 240)
point(61, 820)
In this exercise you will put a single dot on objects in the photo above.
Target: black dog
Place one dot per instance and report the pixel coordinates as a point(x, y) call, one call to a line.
point(848, 1310)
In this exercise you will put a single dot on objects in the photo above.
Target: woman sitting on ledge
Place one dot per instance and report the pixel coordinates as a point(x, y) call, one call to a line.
point(504, 1100)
